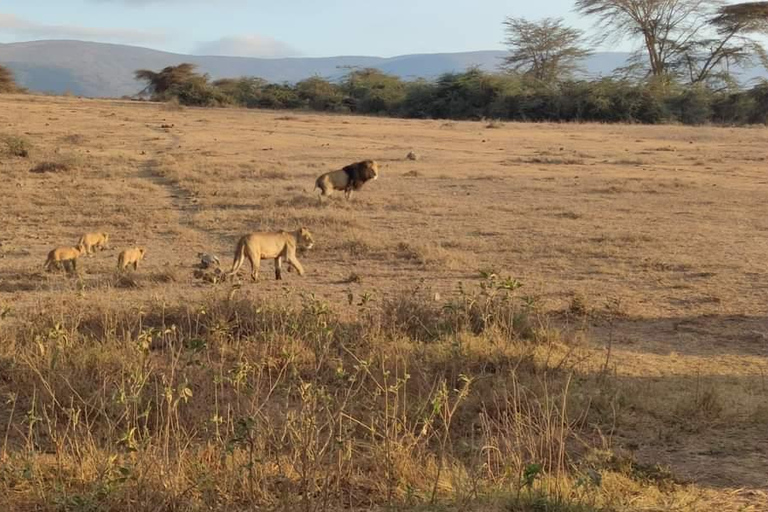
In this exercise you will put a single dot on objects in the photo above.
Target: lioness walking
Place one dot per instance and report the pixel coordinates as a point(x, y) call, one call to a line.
point(271, 245)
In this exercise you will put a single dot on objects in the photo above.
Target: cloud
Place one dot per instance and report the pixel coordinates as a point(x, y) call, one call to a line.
point(247, 46)
point(20, 27)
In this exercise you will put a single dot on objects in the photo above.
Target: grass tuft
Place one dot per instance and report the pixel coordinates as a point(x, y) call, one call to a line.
point(17, 146)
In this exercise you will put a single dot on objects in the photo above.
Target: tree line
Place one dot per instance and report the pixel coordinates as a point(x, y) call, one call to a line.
point(681, 71)
point(469, 95)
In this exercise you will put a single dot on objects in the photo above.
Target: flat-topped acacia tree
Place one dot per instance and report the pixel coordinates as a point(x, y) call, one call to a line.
point(691, 40)
point(732, 44)
point(752, 15)
point(159, 83)
point(181, 82)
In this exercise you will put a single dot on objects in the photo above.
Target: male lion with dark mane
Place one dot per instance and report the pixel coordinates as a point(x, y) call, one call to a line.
point(271, 245)
point(349, 178)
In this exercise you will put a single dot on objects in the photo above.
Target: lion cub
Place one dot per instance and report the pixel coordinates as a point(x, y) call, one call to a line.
point(66, 256)
point(130, 257)
point(93, 241)
point(208, 260)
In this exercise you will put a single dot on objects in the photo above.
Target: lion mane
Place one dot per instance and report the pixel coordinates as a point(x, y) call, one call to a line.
point(349, 178)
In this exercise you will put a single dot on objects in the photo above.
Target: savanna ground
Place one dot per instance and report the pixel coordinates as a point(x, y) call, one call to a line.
point(407, 368)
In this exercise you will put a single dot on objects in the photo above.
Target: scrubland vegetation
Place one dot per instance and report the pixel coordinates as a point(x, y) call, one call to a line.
point(480, 402)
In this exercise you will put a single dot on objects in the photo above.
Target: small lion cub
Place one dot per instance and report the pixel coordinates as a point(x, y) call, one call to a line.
point(66, 256)
point(93, 241)
point(130, 257)
point(208, 260)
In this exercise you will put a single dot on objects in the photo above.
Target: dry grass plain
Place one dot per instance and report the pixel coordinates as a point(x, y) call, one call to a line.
point(649, 242)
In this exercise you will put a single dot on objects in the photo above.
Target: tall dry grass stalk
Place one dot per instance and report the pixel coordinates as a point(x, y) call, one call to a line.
point(233, 404)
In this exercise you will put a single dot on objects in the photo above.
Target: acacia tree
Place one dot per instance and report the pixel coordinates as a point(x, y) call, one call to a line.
point(180, 82)
point(735, 26)
point(681, 38)
point(545, 50)
point(664, 26)
point(161, 82)
point(753, 15)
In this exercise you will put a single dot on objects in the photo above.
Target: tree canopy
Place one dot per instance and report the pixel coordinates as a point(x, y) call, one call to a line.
point(696, 41)
point(545, 50)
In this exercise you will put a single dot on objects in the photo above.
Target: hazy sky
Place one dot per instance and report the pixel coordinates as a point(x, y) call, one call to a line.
point(312, 28)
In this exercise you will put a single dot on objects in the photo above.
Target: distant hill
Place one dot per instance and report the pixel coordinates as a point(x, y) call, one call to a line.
point(106, 70)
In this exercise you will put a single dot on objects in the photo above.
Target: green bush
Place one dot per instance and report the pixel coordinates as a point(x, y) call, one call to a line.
point(759, 96)
point(692, 106)
point(320, 94)
point(370, 91)
point(243, 91)
point(733, 108)
point(418, 101)
point(197, 92)
point(467, 95)
point(278, 96)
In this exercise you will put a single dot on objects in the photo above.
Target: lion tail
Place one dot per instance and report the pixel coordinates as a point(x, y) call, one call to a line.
point(239, 257)
point(320, 184)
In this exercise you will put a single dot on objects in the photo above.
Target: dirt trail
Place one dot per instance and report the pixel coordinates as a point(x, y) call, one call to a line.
point(154, 170)
point(160, 170)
